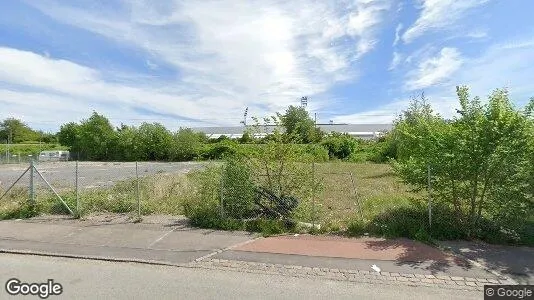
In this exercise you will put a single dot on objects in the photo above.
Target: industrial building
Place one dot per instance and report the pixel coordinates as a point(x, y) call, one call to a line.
point(363, 131)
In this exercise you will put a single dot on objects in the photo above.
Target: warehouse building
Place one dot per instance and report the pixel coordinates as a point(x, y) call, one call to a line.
point(363, 131)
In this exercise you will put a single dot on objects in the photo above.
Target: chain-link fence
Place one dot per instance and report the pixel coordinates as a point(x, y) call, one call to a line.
point(313, 195)
point(308, 194)
point(17, 158)
point(82, 188)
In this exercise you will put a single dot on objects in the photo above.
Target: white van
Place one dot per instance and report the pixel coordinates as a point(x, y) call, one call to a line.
point(54, 156)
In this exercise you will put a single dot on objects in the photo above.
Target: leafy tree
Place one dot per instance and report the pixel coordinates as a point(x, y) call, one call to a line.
point(481, 160)
point(127, 146)
point(155, 141)
point(16, 131)
point(69, 135)
point(93, 139)
point(298, 126)
point(187, 144)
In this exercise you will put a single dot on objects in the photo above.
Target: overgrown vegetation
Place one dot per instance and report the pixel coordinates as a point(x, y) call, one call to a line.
point(481, 162)
point(481, 165)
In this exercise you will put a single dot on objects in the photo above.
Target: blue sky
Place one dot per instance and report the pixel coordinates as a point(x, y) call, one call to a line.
point(200, 63)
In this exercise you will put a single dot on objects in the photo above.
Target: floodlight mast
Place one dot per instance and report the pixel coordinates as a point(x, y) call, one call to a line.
point(304, 101)
point(244, 122)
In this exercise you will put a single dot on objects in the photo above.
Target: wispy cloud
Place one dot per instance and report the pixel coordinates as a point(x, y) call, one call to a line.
point(397, 34)
point(438, 14)
point(435, 70)
point(262, 54)
point(395, 61)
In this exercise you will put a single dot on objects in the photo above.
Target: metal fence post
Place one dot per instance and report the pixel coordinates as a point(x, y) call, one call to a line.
point(313, 195)
point(356, 196)
point(429, 199)
point(77, 193)
point(32, 187)
point(137, 192)
point(221, 194)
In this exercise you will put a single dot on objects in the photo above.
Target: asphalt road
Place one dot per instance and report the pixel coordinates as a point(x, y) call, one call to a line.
point(84, 279)
point(91, 174)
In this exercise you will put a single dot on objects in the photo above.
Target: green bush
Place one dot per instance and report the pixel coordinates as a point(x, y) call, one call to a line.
point(339, 145)
point(220, 150)
point(202, 206)
point(238, 190)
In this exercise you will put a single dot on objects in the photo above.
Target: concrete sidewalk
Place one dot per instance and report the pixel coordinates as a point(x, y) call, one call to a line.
point(169, 243)
point(172, 242)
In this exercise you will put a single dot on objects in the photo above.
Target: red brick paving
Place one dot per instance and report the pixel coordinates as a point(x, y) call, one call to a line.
point(402, 250)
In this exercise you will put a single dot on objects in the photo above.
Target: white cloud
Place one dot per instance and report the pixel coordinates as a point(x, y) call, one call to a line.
point(397, 34)
point(232, 54)
point(435, 70)
point(438, 14)
point(397, 58)
point(501, 65)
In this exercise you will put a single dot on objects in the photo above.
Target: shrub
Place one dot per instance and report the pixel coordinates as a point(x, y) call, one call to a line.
point(481, 161)
point(202, 206)
point(237, 189)
point(220, 150)
point(339, 146)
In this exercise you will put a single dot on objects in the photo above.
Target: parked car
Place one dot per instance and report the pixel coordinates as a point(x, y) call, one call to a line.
point(54, 156)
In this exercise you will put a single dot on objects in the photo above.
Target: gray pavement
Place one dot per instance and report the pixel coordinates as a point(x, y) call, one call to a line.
point(164, 243)
point(423, 268)
point(91, 174)
point(515, 262)
point(83, 279)
point(169, 241)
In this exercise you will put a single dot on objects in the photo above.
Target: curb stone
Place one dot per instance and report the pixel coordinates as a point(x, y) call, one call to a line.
point(363, 276)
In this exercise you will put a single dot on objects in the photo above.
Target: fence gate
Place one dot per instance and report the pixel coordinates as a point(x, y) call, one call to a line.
point(33, 170)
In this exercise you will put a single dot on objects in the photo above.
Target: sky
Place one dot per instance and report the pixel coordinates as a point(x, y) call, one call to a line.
point(189, 63)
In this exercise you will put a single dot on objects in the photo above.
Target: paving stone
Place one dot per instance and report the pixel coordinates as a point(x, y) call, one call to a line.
point(420, 276)
point(430, 276)
point(395, 274)
point(426, 280)
point(438, 281)
point(470, 283)
point(470, 279)
point(457, 278)
point(443, 277)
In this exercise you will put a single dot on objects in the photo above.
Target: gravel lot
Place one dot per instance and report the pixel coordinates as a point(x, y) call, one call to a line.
point(91, 174)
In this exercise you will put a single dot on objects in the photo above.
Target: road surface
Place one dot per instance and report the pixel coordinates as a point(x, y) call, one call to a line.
point(85, 279)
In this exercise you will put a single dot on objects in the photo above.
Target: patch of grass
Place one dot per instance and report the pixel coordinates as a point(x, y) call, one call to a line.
point(373, 188)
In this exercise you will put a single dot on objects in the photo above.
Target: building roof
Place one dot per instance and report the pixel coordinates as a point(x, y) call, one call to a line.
point(352, 129)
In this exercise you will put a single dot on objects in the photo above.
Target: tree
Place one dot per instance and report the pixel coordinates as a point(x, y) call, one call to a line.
point(187, 144)
point(16, 131)
point(93, 139)
point(298, 126)
point(155, 141)
point(481, 160)
point(127, 146)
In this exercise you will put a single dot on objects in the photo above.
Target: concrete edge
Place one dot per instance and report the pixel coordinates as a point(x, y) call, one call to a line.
point(287, 270)
point(226, 249)
point(486, 267)
point(361, 276)
point(91, 257)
